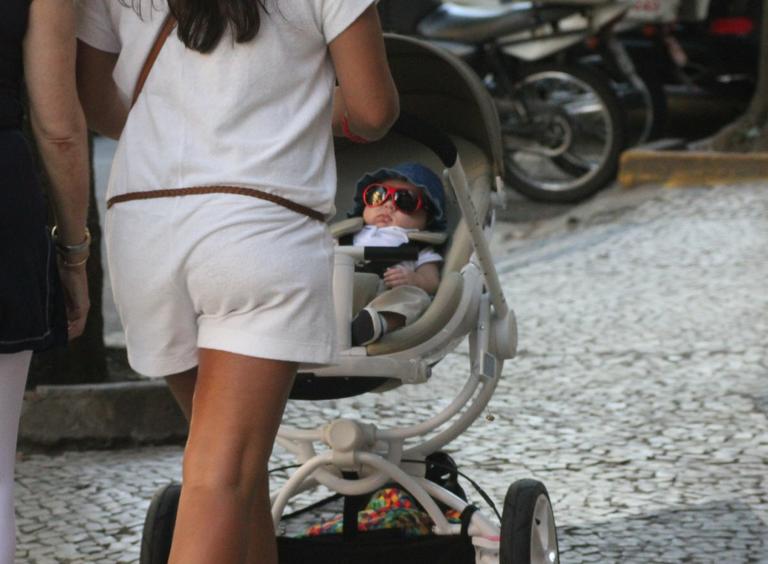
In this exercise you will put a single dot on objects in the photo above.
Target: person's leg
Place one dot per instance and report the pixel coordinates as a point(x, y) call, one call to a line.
point(182, 386)
point(403, 303)
point(224, 507)
point(13, 376)
point(387, 312)
point(365, 287)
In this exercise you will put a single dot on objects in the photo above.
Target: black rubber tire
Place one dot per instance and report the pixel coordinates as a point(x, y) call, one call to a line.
point(517, 522)
point(653, 82)
point(159, 524)
point(601, 86)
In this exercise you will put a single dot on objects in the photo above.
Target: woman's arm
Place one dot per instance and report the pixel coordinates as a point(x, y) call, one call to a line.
point(59, 128)
point(104, 110)
point(366, 93)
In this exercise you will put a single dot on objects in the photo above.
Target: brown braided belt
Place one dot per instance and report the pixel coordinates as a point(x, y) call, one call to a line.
point(252, 192)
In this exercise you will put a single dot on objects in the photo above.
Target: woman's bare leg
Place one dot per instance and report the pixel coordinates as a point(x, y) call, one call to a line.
point(224, 506)
point(13, 376)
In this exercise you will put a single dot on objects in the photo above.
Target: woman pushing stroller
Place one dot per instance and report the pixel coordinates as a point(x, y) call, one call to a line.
point(221, 269)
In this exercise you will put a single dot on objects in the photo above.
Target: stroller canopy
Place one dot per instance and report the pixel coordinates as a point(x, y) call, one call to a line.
point(446, 93)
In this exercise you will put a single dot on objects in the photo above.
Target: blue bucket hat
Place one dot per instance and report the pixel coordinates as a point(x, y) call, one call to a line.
point(418, 175)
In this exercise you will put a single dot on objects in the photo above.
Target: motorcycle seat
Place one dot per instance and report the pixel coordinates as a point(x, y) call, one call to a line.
point(478, 24)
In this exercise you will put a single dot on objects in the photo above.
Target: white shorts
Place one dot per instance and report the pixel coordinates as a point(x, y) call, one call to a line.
point(220, 271)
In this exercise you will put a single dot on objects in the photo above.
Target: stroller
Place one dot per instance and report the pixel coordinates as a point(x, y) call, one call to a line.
point(448, 123)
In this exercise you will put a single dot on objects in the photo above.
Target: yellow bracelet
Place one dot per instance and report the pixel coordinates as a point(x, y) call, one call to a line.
point(66, 264)
point(71, 249)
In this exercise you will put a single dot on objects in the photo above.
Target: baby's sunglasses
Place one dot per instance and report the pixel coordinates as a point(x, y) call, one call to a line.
point(405, 200)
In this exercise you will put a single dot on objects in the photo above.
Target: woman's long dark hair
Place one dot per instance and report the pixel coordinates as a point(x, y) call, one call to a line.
point(202, 23)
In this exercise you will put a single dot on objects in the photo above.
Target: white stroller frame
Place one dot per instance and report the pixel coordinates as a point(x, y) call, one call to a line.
point(376, 454)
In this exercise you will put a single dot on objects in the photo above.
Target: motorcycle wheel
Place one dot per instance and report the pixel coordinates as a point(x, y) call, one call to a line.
point(654, 107)
point(563, 131)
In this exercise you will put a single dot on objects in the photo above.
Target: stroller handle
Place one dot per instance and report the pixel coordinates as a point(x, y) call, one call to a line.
point(430, 136)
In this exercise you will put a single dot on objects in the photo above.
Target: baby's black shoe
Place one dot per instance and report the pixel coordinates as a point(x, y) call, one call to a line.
point(367, 327)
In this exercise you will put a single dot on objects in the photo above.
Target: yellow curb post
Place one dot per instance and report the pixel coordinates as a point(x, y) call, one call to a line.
point(676, 169)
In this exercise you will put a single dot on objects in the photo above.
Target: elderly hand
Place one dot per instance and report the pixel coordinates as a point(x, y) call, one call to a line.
point(74, 279)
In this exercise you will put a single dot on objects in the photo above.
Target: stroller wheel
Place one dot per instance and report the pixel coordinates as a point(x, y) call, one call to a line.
point(528, 532)
point(158, 525)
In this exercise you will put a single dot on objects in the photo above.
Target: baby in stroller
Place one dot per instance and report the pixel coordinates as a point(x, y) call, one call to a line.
point(394, 203)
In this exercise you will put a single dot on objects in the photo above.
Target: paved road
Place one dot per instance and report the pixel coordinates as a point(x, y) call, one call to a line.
point(639, 397)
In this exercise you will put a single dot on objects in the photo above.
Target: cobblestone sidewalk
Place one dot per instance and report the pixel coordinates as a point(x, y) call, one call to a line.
point(639, 397)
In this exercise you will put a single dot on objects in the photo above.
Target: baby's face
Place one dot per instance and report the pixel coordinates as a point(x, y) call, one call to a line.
point(387, 214)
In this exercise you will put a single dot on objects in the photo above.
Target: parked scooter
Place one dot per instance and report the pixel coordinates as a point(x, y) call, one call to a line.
point(562, 122)
point(702, 48)
point(639, 82)
point(708, 47)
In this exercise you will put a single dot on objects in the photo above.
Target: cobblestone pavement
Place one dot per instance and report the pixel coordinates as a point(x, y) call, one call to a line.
point(639, 397)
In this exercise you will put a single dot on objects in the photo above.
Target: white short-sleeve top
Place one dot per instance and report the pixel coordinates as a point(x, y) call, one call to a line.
point(254, 114)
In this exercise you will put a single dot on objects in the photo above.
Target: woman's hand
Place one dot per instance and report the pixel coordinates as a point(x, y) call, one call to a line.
point(74, 279)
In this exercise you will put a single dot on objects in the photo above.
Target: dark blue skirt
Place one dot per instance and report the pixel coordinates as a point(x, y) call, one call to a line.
point(32, 314)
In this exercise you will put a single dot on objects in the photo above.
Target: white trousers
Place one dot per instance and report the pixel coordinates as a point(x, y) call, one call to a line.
point(13, 377)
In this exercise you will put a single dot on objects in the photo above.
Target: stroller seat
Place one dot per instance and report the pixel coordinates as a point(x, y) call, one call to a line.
point(352, 375)
point(356, 161)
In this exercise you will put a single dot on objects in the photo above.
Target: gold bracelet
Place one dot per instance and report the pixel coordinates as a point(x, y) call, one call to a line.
point(66, 264)
point(71, 249)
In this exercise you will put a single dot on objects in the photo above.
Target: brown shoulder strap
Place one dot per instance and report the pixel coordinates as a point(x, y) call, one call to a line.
point(165, 31)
